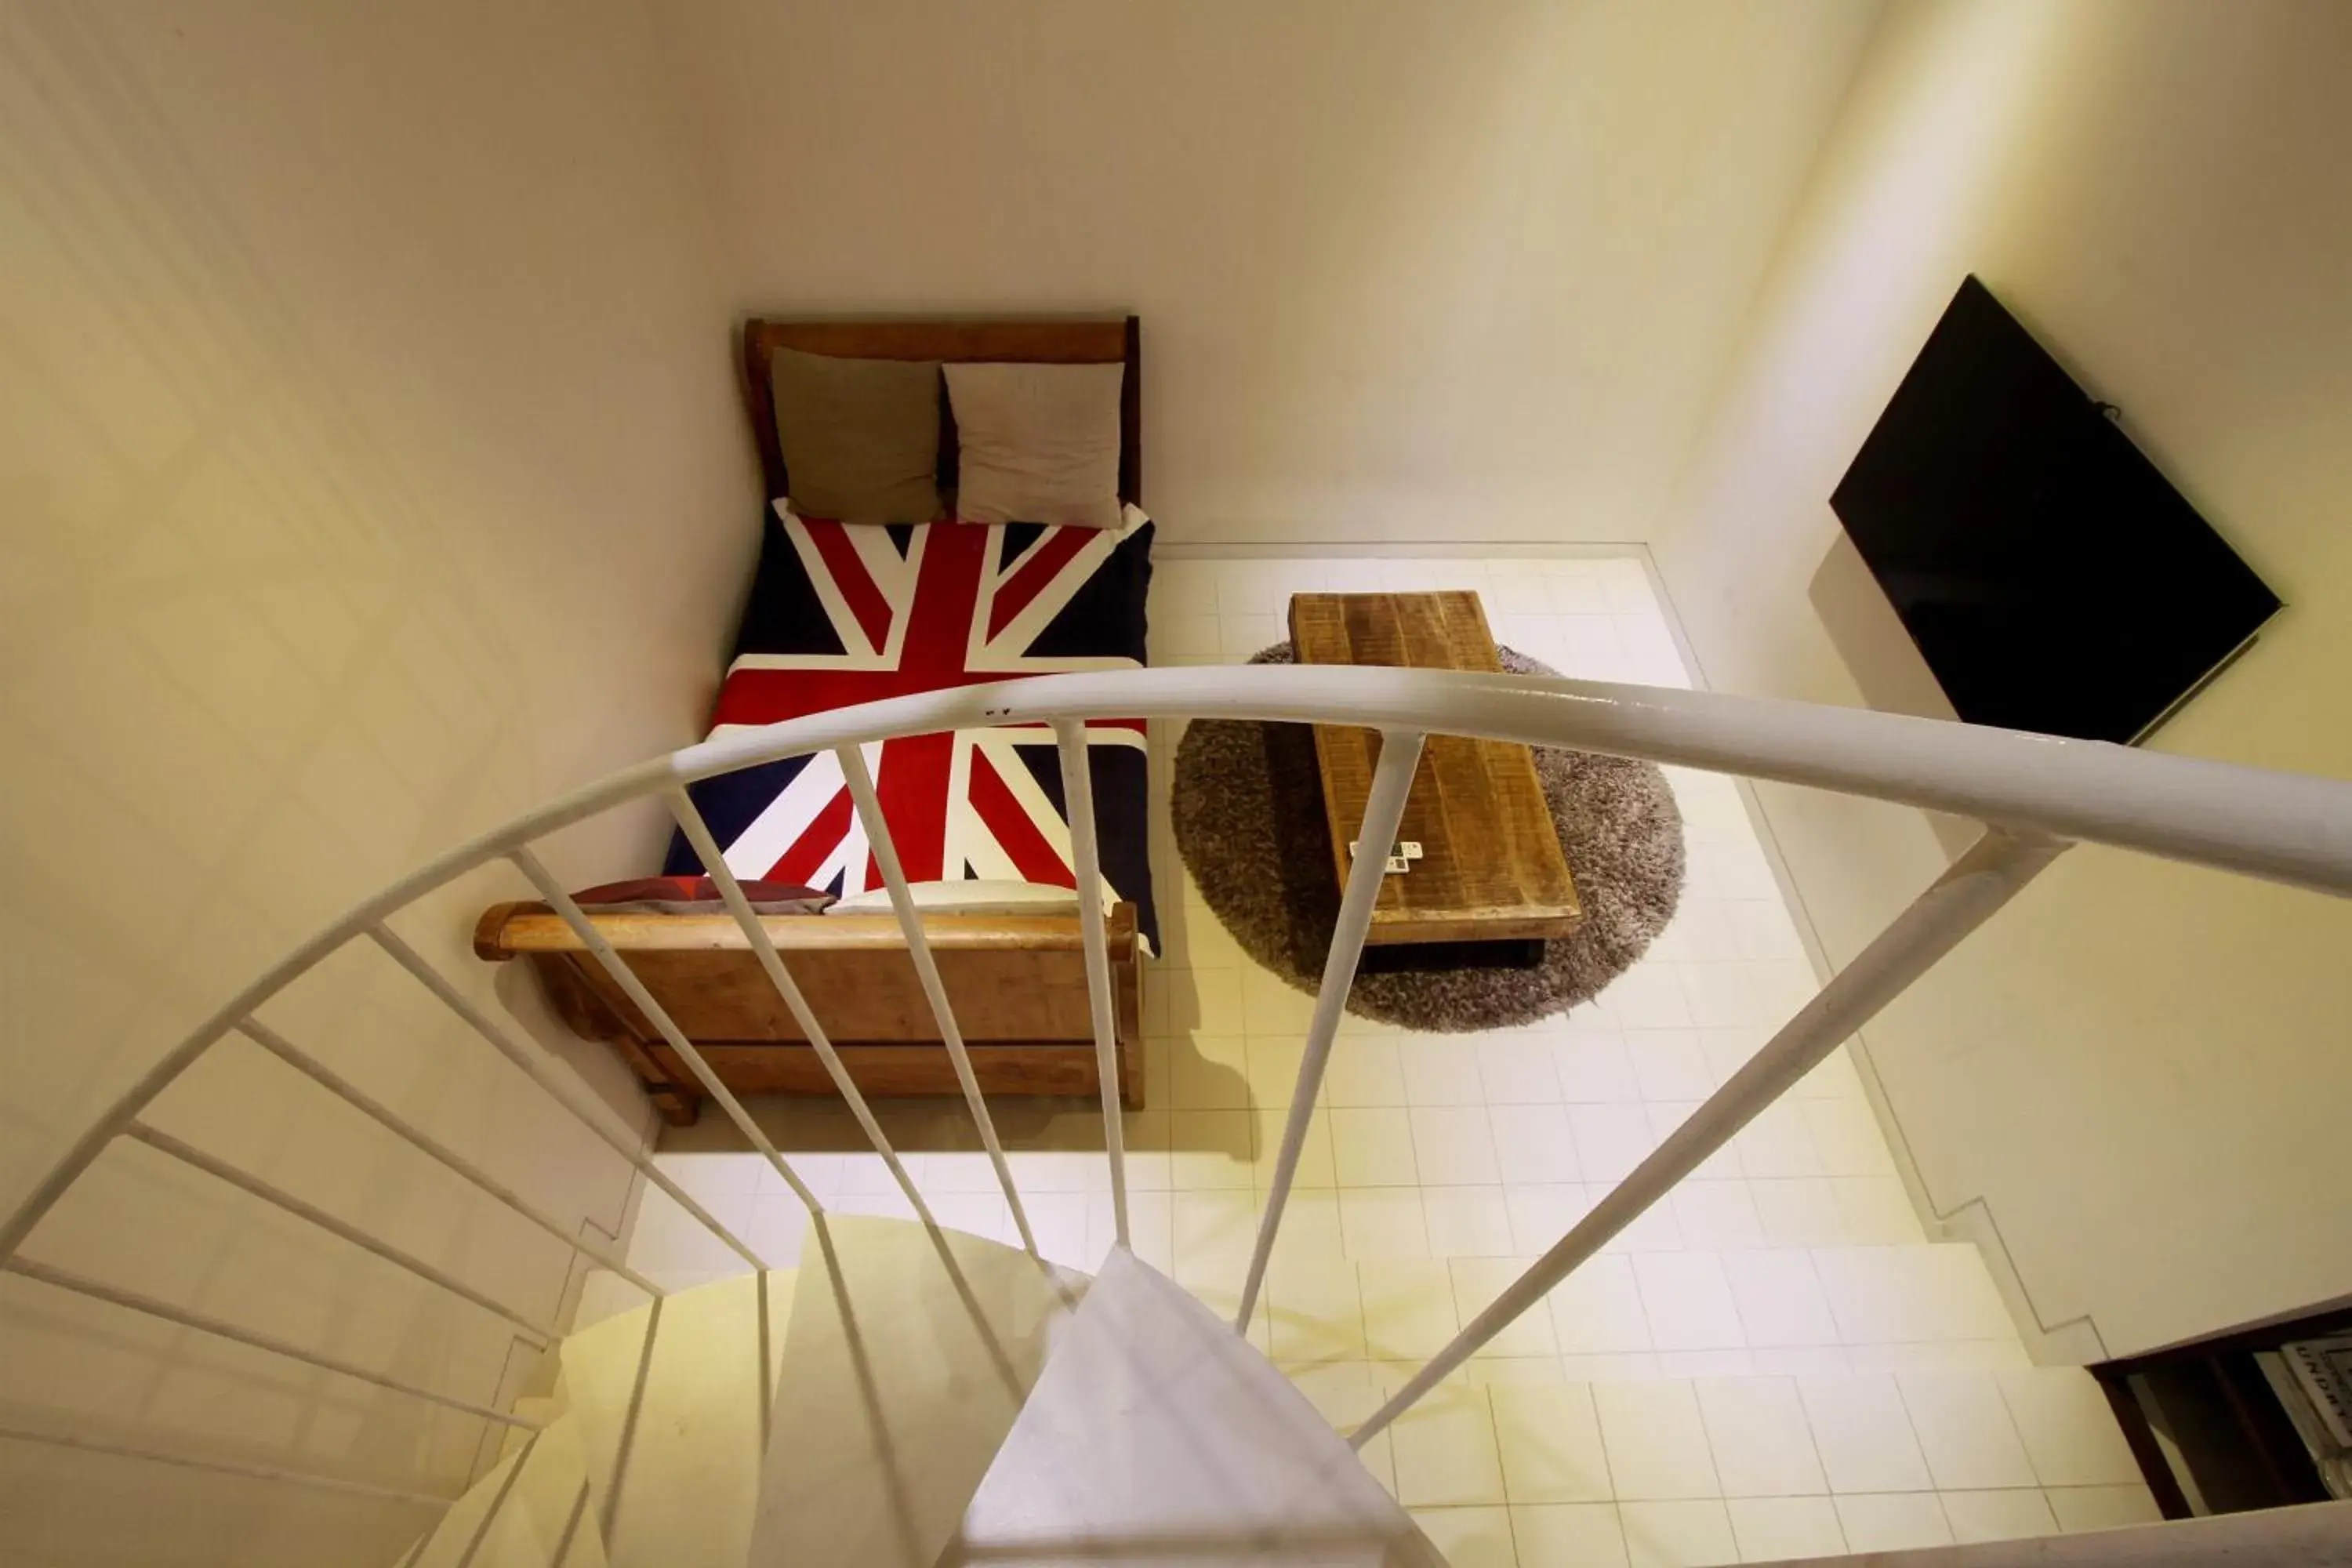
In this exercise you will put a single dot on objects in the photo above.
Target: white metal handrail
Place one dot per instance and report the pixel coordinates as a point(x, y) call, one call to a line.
point(2036, 793)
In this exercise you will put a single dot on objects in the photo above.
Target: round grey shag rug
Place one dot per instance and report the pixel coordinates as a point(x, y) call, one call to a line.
point(1247, 804)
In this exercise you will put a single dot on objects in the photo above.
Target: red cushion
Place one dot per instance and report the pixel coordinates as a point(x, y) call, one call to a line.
point(696, 895)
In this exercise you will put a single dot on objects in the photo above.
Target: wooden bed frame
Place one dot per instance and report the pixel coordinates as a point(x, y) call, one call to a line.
point(1017, 983)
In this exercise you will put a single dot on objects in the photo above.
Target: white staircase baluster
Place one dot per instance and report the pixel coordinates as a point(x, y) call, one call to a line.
point(367, 1105)
point(202, 1322)
point(731, 891)
point(271, 1193)
point(370, 913)
point(555, 1559)
point(498, 1502)
point(223, 1467)
point(919, 949)
point(1086, 868)
point(634, 989)
point(1977, 884)
point(549, 1077)
point(669, 1407)
point(1383, 811)
point(107, 1127)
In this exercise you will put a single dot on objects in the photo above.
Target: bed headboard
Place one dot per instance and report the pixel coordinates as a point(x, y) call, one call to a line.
point(1064, 340)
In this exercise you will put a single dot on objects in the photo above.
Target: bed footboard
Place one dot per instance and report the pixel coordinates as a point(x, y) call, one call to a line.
point(1017, 983)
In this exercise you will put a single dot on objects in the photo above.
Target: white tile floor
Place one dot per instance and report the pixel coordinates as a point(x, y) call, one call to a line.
point(1775, 1362)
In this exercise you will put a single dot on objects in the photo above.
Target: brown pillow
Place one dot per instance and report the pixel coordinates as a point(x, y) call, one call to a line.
point(1037, 443)
point(860, 437)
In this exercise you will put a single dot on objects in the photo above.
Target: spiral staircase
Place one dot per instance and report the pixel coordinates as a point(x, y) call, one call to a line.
point(909, 1395)
point(894, 1402)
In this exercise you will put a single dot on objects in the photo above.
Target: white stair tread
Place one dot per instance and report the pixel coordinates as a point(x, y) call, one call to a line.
point(1159, 1435)
point(481, 1511)
point(554, 1495)
point(909, 1353)
point(670, 1403)
point(520, 1514)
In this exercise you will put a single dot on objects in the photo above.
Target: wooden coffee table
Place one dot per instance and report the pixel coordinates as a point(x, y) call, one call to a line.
point(1490, 867)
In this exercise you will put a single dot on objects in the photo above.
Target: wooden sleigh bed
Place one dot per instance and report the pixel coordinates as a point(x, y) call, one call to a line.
point(1017, 982)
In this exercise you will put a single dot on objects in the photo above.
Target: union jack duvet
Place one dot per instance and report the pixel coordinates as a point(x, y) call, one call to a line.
point(842, 613)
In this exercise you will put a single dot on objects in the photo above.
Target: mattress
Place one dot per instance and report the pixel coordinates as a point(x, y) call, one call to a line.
point(844, 613)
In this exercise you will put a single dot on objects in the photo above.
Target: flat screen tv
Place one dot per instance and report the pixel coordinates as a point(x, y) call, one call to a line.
point(2052, 577)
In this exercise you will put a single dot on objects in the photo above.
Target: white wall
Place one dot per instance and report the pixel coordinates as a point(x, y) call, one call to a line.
point(369, 469)
point(2138, 1067)
point(1407, 270)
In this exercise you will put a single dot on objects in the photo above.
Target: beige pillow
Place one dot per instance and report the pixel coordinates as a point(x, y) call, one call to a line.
point(1037, 443)
point(860, 437)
